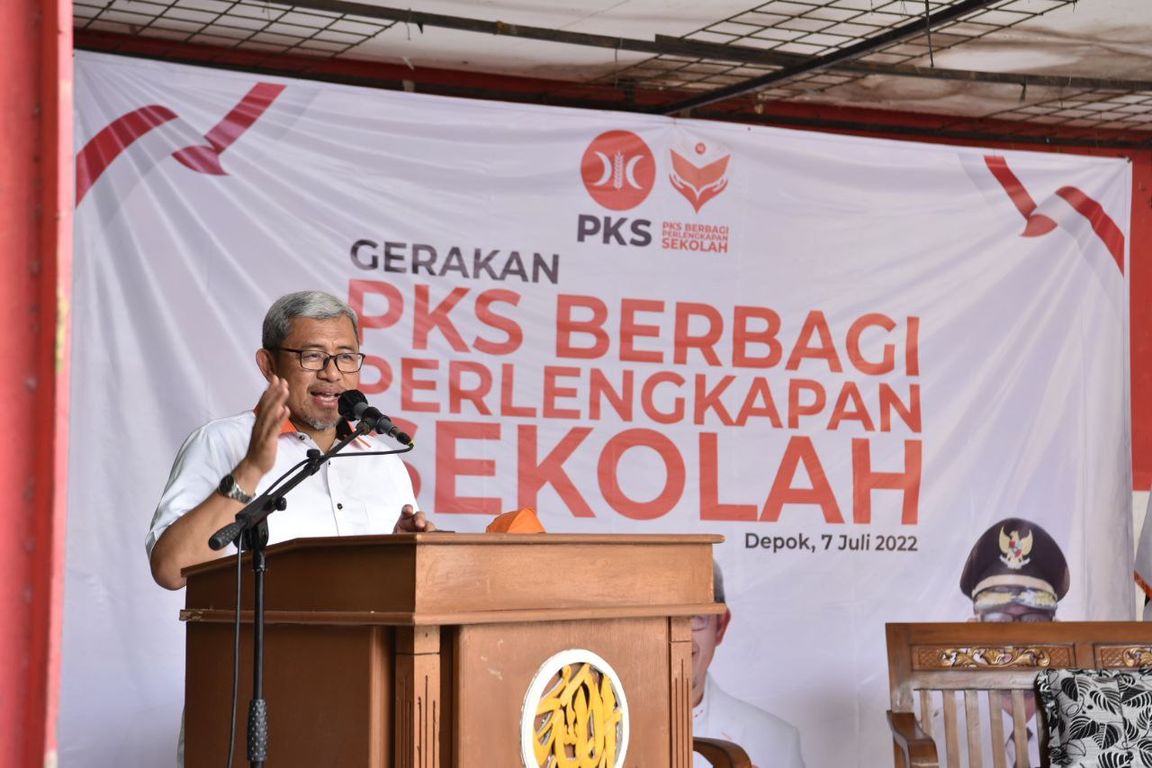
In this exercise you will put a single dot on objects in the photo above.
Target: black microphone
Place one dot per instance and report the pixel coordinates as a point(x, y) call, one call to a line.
point(354, 407)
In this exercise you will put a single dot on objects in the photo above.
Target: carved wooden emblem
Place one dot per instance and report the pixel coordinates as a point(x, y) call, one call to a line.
point(575, 714)
point(984, 658)
point(1139, 656)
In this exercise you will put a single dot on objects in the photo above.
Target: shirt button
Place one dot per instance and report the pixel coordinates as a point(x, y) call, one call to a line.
point(339, 506)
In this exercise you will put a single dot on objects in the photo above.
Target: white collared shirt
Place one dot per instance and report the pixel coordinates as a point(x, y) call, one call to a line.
point(769, 741)
point(347, 497)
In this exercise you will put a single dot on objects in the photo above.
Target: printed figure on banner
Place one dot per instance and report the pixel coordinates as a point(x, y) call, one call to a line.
point(769, 741)
point(1015, 572)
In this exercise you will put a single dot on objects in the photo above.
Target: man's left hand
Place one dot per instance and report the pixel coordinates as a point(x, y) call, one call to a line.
point(412, 521)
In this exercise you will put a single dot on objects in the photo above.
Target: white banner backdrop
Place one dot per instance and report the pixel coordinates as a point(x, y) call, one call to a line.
point(848, 356)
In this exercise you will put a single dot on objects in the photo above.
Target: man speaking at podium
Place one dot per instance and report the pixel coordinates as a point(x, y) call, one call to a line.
point(310, 355)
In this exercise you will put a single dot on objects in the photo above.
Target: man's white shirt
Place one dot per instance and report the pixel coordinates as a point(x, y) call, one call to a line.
point(769, 741)
point(349, 496)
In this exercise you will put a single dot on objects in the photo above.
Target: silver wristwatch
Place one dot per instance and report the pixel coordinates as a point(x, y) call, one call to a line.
point(230, 488)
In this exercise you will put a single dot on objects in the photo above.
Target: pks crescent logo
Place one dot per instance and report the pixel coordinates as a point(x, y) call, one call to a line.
point(619, 170)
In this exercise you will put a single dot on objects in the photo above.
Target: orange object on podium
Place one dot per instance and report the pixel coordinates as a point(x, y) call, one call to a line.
point(438, 650)
point(520, 521)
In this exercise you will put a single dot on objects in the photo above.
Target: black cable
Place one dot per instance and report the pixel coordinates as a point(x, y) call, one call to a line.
point(928, 30)
point(301, 463)
point(235, 654)
point(372, 453)
point(290, 470)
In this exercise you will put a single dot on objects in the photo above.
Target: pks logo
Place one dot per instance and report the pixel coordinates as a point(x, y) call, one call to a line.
point(700, 172)
point(619, 170)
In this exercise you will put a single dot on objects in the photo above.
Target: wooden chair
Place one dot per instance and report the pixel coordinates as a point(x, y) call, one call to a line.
point(961, 665)
point(721, 754)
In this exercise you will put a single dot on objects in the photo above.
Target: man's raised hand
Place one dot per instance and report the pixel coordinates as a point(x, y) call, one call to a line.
point(271, 414)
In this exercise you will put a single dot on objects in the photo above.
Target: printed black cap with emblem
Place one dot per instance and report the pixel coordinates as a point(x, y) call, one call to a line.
point(1017, 558)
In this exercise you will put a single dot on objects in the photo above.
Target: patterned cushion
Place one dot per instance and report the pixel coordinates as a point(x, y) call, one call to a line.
point(1136, 706)
point(1097, 718)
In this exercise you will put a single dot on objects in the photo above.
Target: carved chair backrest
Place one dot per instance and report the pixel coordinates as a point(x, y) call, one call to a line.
point(954, 677)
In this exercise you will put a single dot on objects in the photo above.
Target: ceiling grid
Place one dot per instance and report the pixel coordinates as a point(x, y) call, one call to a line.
point(270, 28)
point(833, 52)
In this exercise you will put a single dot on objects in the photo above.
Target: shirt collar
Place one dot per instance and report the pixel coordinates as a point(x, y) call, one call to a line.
point(343, 429)
point(287, 428)
point(700, 711)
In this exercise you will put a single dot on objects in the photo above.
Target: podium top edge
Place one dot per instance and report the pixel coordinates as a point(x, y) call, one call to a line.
point(455, 539)
point(440, 539)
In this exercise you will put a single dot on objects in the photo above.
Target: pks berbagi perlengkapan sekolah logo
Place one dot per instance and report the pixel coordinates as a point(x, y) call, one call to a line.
point(699, 173)
point(619, 171)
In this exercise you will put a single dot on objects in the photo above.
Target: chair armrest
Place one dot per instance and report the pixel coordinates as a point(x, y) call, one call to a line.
point(918, 748)
point(721, 754)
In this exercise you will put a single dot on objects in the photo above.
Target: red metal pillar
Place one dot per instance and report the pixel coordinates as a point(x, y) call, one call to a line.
point(35, 286)
point(1140, 288)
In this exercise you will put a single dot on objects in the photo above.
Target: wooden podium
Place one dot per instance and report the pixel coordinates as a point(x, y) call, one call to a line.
point(420, 649)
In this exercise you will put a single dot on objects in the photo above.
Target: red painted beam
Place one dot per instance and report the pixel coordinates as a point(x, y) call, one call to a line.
point(1140, 291)
point(35, 281)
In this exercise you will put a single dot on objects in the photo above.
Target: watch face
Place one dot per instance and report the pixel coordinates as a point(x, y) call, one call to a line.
point(230, 488)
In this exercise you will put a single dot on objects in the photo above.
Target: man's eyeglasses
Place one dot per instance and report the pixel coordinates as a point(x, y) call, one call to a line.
point(1004, 617)
point(315, 360)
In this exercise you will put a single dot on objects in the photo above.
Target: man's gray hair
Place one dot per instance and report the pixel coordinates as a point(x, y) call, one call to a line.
point(717, 583)
point(316, 305)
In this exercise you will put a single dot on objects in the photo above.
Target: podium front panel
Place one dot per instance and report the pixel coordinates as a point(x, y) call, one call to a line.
point(420, 650)
point(496, 663)
point(328, 688)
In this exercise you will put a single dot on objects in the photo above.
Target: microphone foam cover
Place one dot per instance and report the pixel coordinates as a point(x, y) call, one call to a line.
point(349, 399)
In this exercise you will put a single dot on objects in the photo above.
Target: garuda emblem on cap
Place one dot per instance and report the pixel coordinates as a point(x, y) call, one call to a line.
point(1015, 549)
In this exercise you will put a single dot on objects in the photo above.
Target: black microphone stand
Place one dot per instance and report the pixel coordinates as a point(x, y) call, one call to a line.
point(252, 523)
